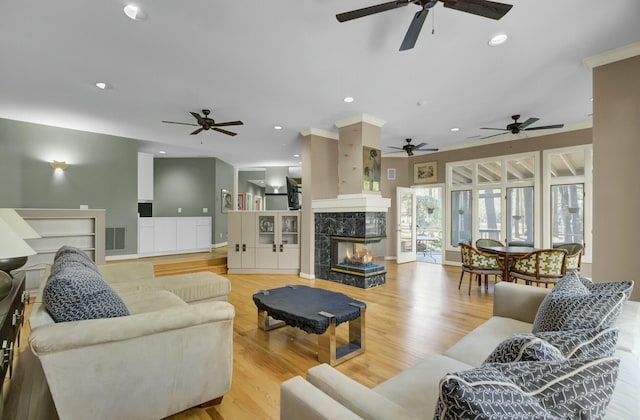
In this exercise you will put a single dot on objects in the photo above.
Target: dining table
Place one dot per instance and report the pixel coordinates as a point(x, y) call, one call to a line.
point(507, 252)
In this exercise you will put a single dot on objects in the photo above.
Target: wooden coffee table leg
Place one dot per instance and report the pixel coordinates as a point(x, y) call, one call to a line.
point(267, 323)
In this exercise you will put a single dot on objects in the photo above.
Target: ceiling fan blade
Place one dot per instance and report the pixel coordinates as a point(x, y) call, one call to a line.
point(197, 131)
point(432, 149)
point(491, 128)
point(198, 117)
point(227, 123)
point(493, 135)
point(417, 146)
point(488, 9)
point(528, 123)
point(393, 147)
point(371, 10)
point(546, 127)
point(224, 131)
point(174, 122)
point(414, 30)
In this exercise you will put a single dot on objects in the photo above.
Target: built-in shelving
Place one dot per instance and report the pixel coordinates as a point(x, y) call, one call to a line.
point(83, 229)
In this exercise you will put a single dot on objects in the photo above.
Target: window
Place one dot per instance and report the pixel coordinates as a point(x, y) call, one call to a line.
point(494, 199)
point(567, 210)
point(520, 216)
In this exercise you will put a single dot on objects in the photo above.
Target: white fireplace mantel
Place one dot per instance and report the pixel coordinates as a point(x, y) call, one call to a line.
point(348, 203)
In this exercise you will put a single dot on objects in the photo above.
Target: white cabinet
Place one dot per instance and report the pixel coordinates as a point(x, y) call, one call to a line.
point(145, 176)
point(241, 252)
point(271, 238)
point(173, 235)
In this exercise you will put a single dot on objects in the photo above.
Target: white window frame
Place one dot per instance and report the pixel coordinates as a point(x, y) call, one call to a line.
point(586, 180)
point(475, 187)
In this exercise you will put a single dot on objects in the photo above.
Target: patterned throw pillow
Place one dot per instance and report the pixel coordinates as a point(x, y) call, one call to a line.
point(588, 344)
point(562, 312)
point(77, 293)
point(625, 286)
point(524, 348)
point(555, 346)
point(68, 249)
point(572, 389)
point(571, 284)
point(71, 259)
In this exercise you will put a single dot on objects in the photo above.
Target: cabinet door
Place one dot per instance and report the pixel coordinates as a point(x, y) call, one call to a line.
point(289, 258)
point(234, 240)
point(289, 225)
point(165, 235)
point(146, 236)
point(267, 230)
point(185, 234)
point(267, 257)
point(203, 233)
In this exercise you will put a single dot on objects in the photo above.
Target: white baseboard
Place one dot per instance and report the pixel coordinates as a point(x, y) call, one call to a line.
point(121, 257)
point(307, 276)
point(220, 245)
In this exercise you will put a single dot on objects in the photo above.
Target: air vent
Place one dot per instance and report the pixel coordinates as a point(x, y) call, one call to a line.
point(115, 238)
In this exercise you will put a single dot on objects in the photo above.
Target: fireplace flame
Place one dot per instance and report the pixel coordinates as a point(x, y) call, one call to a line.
point(362, 257)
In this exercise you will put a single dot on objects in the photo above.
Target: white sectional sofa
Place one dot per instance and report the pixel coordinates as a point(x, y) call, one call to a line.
point(173, 351)
point(328, 394)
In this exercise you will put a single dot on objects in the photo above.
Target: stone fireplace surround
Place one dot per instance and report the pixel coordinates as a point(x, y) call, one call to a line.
point(356, 217)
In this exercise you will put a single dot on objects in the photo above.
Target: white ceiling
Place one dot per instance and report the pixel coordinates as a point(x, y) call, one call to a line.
point(290, 63)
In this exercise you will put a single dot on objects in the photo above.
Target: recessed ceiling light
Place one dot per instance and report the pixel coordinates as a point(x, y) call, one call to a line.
point(104, 85)
point(134, 12)
point(454, 129)
point(421, 102)
point(296, 155)
point(348, 99)
point(498, 40)
point(277, 127)
point(162, 152)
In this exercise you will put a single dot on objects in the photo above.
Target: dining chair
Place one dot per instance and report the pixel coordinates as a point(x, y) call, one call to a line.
point(488, 242)
point(574, 255)
point(480, 264)
point(541, 266)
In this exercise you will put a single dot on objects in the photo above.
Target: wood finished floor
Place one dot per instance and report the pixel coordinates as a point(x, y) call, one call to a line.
point(417, 313)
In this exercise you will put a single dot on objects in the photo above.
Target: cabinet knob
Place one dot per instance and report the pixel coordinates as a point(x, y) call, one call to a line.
point(244, 247)
point(237, 247)
point(274, 247)
point(281, 248)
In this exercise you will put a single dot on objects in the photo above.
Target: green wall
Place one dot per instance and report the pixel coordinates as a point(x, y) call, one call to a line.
point(102, 173)
point(192, 184)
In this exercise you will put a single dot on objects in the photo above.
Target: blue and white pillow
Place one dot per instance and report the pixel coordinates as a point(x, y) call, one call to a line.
point(555, 346)
point(624, 286)
point(77, 293)
point(570, 389)
point(572, 306)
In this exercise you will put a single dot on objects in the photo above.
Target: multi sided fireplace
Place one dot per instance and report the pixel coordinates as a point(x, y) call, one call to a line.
point(358, 256)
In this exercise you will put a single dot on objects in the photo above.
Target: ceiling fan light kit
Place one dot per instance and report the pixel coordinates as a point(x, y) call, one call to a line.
point(484, 8)
point(206, 123)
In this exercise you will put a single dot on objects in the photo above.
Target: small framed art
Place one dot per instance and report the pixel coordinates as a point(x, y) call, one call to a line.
point(227, 203)
point(425, 172)
point(241, 201)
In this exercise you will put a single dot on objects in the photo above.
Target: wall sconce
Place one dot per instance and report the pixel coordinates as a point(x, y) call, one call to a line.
point(61, 165)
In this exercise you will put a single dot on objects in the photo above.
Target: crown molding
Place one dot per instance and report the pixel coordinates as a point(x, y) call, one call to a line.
point(319, 132)
point(364, 118)
point(612, 56)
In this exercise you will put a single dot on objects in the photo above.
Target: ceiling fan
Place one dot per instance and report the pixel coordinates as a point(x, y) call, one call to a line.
point(488, 9)
point(515, 127)
point(409, 148)
point(207, 123)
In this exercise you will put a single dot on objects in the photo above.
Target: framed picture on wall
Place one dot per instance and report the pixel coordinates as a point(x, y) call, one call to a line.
point(425, 172)
point(241, 201)
point(227, 202)
point(258, 200)
point(391, 174)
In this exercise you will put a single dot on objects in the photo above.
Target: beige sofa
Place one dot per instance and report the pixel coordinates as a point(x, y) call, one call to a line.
point(174, 351)
point(328, 394)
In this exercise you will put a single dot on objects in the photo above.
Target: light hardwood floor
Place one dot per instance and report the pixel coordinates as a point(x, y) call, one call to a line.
point(417, 313)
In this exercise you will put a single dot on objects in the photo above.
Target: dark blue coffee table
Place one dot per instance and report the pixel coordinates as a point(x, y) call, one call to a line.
point(315, 311)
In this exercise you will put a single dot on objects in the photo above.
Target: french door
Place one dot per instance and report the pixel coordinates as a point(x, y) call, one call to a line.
point(406, 225)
